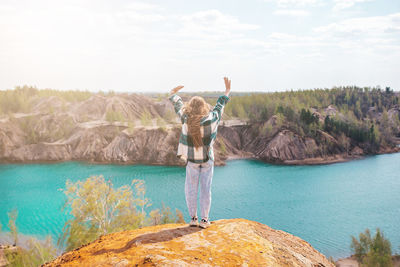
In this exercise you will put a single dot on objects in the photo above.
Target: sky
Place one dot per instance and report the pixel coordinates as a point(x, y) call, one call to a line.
point(153, 46)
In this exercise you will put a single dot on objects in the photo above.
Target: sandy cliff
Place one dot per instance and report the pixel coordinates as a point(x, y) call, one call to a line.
point(138, 129)
point(233, 242)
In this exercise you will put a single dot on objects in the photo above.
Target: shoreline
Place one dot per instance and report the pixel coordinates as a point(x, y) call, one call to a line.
point(352, 262)
point(347, 262)
point(339, 158)
point(324, 161)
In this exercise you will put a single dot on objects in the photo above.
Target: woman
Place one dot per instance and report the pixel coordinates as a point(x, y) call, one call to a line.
point(199, 130)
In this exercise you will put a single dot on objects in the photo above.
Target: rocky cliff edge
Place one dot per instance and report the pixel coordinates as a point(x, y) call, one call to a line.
point(231, 242)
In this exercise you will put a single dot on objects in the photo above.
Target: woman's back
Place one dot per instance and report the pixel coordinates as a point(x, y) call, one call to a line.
point(198, 130)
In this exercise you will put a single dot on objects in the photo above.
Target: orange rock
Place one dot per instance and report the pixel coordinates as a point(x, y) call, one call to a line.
point(233, 242)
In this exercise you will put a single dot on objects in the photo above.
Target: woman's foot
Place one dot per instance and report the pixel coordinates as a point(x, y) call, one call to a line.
point(204, 223)
point(193, 222)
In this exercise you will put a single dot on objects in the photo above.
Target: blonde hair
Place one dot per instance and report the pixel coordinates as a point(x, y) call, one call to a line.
point(195, 110)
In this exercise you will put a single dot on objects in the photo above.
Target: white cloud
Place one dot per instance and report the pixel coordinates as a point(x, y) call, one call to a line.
point(371, 36)
point(134, 17)
point(365, 26)
point(211, 34)
point(141, 6)
point(294, 8)
point(343, 4)
point(368, 36)
point(297, 45)
point(140, 13)
point(295, 3)
point(292, 12)
point(215, 21)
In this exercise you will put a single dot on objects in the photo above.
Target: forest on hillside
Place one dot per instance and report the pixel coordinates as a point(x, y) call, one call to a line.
point(363, 114)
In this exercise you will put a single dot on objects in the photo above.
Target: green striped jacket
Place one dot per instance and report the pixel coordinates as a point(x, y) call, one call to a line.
point(208, 130)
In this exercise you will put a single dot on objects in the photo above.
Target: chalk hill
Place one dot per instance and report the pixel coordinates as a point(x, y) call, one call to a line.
point(130, 128)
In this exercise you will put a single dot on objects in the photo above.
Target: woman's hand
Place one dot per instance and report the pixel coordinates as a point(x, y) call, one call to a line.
point(227, 86)
point(176, 89)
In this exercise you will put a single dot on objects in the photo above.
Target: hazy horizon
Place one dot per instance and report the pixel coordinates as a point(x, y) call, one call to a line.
point(183, 91)
point(152, 46)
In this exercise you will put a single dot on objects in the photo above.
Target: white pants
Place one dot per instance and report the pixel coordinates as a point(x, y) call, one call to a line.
point(194, 172)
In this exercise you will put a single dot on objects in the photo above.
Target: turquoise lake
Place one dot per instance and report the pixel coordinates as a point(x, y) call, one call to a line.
point(323, 205)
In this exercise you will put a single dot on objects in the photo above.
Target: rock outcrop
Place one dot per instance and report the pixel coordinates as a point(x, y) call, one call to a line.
point(233, 242)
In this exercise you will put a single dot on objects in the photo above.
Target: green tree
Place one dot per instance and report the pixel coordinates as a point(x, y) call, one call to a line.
point(12, 218)
point(114, 115)
point(145, 118)
point(160, 122)
point(179, 216)
point(34, 254)
point(222, 146)
point(239, 111)
point(372, 251)
point(131, 127)
point(344, 142)
point(165, 216)
point(97, 209)
point(155, 217)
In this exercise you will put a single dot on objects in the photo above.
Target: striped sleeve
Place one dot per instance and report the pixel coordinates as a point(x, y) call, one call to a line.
point(178, 105)
point(219, 107)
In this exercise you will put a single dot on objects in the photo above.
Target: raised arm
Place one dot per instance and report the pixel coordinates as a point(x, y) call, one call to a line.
point(222, 100)
point(227, 86)
point(177, 101)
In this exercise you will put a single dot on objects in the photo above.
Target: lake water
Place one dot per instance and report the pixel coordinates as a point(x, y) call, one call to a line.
point(324, 204)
